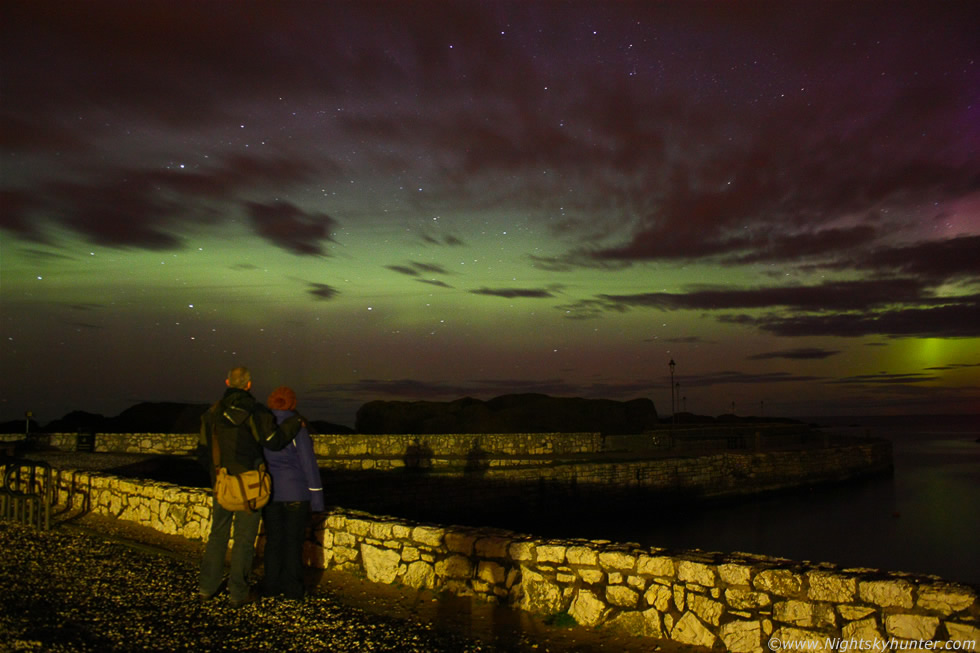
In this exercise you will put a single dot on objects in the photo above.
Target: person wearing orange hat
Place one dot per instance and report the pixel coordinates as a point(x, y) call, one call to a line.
point(296, 491)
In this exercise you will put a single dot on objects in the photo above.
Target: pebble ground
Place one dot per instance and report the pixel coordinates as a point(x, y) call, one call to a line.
point(68, 591)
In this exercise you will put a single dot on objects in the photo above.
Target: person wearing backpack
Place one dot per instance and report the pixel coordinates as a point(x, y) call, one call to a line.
point(296, 490)
point(240, 428)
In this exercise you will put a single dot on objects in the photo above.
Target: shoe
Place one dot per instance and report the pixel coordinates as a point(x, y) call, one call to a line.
point(251, 597)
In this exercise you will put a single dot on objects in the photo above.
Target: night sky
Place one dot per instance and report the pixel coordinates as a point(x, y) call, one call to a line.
point(426, 201)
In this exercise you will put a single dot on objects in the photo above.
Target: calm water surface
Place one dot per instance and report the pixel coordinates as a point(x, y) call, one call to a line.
point(924, 519)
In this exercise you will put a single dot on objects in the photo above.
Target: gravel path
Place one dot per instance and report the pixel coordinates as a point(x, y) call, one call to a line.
point(68, 591)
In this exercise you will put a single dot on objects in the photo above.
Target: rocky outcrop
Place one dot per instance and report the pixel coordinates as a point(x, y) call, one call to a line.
point(517, 413)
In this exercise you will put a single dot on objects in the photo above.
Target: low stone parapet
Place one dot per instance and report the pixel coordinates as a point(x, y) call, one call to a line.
point(733, 601)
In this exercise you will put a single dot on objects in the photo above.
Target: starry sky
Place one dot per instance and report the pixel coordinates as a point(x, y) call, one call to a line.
point(432, 200)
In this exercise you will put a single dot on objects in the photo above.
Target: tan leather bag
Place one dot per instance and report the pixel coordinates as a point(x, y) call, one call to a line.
point(246, 491)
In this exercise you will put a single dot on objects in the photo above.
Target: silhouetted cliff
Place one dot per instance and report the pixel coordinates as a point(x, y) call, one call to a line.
point(517, 413)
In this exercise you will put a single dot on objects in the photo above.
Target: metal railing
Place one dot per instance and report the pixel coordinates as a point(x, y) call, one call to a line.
point(27, 497)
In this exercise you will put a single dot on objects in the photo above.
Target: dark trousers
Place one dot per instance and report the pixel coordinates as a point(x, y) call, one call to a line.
point(285, 531)
point(242, 551)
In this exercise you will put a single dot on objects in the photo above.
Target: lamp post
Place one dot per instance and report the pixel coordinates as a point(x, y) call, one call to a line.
point(673, 409)
point(677, 388)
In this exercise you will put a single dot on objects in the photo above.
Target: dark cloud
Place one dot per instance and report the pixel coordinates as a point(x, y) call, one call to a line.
point(938, 261)
point(886, 378)
point(837, 295)
point(402, 269)
point(435, 282)
point(955, 318)
point(292, 228)
point(801, 353)
point(44, 255)
point(415, 269)
point(510, 293)
point(322, 291)
point(726, 377)
point(952, 366)
point(449, 240)
point(431, 268)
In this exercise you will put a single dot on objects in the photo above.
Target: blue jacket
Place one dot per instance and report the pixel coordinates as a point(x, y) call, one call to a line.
point(295, 475)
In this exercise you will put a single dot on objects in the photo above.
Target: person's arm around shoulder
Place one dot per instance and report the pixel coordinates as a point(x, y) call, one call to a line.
point(307, 460)
point(275, 436)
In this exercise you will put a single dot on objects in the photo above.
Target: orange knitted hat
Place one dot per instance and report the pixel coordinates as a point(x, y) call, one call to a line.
point(282, 398)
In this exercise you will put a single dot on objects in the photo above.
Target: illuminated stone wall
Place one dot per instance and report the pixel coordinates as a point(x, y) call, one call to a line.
point(354, 447)
point(738, 602)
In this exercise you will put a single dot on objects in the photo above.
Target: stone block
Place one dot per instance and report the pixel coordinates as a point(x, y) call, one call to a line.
point(410, 554)
point(581, 555)
point(804, 613)
point(491, 572)
point(742, 599)
point(864, 629)
point(492, 547)
point(420, 575)
point(343, 554)
point(679, 597)
point(617, 560)
point(552, 553)
point(638, 624)
point(945, 599)
point(359, 527)
point(886, 593)
point(461, 543)
point(658, 597)
point(735, 574)
point(706, 609)
point(911, 626)
point(690, 630)
point(781, 582)
point(455, 566)
point(381, 531)
point(521, 551)
point(963, 633)
point(539, 594)
point(428, 535)
point(696, 572)
point(655, 566)
point(741, 636)
point(587, 609)
point(380, 565)
point(798, 639)
point(828, 586)
point(591, 576)
point(854, 612)
point(344, 539)
point(622, 596)
point(615, 578)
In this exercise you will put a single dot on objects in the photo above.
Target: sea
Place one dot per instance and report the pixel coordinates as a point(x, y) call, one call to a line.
point(923, 519)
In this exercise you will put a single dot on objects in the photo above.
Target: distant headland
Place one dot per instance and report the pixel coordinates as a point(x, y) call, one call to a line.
point(511, 413)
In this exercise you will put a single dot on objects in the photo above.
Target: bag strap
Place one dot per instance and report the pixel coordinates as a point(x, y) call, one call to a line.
point(249, 507)
point(255, 429)
point(215, 449)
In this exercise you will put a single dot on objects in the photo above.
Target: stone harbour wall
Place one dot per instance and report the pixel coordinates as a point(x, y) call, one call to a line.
point(440, 447)
point(723, 601)
point(146, 443)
